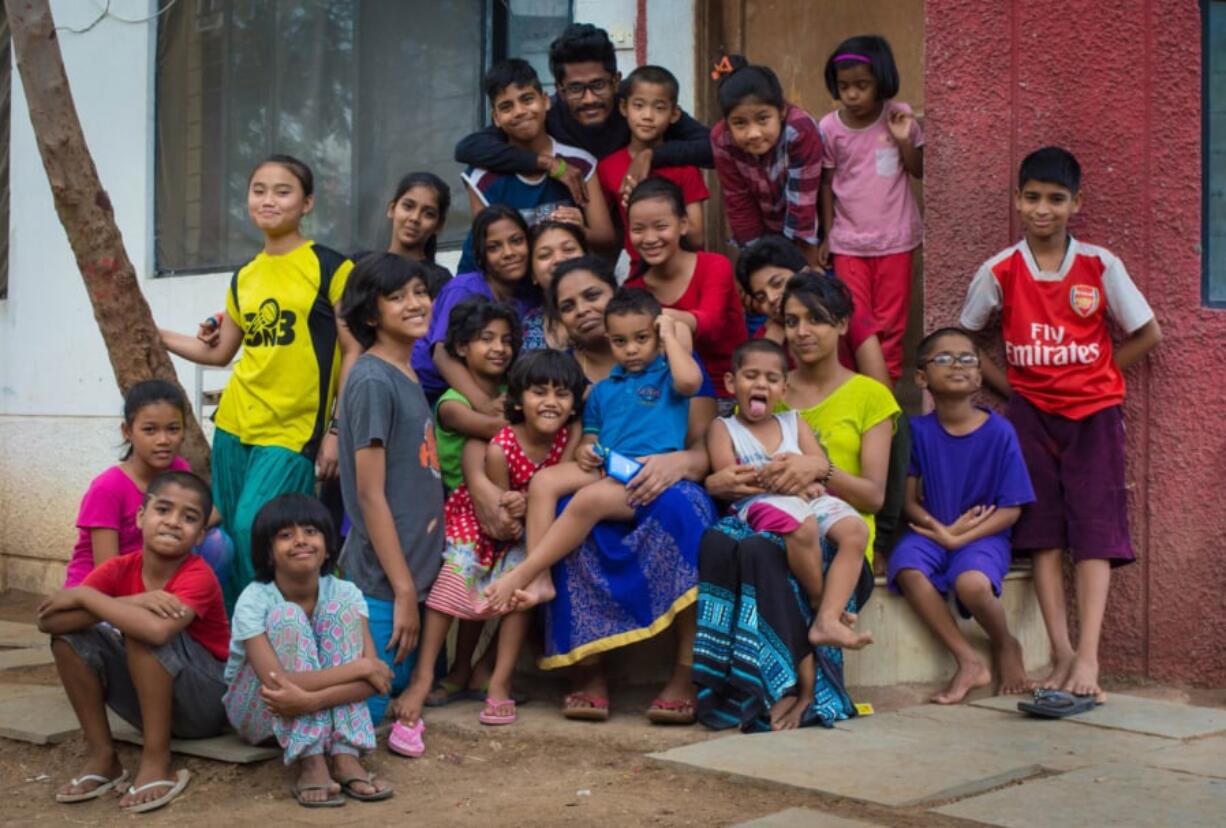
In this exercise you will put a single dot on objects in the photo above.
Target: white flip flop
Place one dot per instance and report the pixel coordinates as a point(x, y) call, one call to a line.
point(177, 785)
point(107, 786)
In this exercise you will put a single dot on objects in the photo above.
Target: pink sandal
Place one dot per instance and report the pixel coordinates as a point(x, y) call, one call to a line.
point(488, 716)
point(406, 740)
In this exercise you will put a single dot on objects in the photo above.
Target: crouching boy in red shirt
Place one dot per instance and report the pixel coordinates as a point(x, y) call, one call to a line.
point(146, 635)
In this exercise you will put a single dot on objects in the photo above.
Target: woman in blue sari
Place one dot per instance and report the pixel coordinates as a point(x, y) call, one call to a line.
point(628, 581)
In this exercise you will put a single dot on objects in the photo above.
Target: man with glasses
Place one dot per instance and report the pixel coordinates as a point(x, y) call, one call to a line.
point(584, 113)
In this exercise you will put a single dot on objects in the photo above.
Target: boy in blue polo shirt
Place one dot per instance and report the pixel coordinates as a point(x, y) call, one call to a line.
point(641, 409)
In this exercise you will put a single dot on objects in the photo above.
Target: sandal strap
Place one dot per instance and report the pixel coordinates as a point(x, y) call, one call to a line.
point(93, 777)
point(168, 783)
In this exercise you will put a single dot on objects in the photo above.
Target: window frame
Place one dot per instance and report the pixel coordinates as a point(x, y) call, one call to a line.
point(495, 25)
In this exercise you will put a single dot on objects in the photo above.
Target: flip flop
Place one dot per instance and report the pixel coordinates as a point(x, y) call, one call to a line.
point(334, 801)
point(671, 711)
point(1056, 704)
point(489, 717)
point(368, 779)
point(445, 692)
point(585, 707)
point(176, 787)
point(406, 740)
point(93, 793)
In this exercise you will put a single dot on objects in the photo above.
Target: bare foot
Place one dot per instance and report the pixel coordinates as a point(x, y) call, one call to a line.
point(540, 591)
point(806, 677)
point(781, 714)
point(313, 770)
point(1060, 667)
point(501, 595)
point(848, 619)
point(152, 769)
point(837, 634)
point(1008, 658)
point(1083, 679)
point(969, 676)
point(350, 770)
point(105, 764)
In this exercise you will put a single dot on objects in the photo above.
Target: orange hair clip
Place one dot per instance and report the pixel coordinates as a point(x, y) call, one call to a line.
point(724, 67)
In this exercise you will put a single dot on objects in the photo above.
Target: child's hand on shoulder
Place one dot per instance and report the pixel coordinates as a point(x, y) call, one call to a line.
point(899, 121)
point(587, 458)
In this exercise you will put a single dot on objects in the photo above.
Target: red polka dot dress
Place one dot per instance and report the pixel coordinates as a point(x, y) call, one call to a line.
point(471, 560)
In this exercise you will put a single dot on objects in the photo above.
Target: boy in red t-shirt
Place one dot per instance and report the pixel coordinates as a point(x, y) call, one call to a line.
point(649, 104)
point(1065, 385)
point(146, 635)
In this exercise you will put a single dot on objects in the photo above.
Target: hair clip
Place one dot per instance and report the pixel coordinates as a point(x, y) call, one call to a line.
point(724, 67)
point(850, 56)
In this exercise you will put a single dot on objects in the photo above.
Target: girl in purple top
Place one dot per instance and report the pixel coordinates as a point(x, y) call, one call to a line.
point(153, 416)
point(965, 490)
point(500, 243)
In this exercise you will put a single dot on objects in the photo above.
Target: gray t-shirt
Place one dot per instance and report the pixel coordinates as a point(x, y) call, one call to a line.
point(383, 406)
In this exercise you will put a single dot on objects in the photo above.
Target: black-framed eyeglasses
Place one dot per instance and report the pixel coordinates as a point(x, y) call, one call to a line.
point(601, 87)
point(949, 360)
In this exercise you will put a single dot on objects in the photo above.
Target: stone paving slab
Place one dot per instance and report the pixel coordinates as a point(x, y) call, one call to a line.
point(224, 748)
point(804, 818)
point(1135, 714)
point(1203, 757)
point(1052, 745)
point(1122, 796)
point(868, 766)
point(36, 713)
point(27, 657)
point(13, 634)
point(41, 714)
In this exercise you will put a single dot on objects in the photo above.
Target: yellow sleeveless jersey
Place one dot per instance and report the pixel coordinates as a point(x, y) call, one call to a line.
point(280, 393)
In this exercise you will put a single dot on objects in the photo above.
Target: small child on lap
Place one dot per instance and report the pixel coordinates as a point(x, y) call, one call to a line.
point(146, 635)
point(753, 436)
point(641, 409)
point(965, 490)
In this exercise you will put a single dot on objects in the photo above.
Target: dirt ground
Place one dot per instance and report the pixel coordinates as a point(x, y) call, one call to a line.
point(544, 772)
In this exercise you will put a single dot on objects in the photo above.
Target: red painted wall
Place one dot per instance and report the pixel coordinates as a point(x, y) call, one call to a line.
point(1120, 85)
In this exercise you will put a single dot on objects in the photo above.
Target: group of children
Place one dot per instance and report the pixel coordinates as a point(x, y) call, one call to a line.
point(414, 388)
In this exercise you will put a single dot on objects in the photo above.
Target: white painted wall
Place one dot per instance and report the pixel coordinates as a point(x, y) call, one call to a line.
point(59, 406)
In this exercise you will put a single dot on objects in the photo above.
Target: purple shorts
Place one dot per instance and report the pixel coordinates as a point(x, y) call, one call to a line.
point(1077, 470)
point(989, 556)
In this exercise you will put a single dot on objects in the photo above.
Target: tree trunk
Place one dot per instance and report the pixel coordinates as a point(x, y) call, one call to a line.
point(132, 342)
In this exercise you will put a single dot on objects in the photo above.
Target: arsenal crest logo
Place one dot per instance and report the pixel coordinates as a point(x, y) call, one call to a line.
point(1084, 300)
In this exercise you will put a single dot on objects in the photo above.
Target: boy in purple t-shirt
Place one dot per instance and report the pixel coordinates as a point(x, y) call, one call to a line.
point(965, 490)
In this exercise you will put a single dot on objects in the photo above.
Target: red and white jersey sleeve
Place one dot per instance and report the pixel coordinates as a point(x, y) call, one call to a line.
point(1057, 342)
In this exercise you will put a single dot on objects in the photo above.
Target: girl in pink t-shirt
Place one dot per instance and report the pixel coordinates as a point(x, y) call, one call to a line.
point(870, 145)
point(153, 415)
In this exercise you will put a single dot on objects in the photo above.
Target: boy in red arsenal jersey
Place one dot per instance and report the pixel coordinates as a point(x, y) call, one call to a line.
point(1065, 384)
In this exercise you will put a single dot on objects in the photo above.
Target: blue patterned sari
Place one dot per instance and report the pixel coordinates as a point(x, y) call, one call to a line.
point(753, 629)
point(627, 581)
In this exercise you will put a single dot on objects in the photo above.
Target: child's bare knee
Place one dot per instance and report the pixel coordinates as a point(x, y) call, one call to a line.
point(971, 585)
point(806, 534)
point(911, 579)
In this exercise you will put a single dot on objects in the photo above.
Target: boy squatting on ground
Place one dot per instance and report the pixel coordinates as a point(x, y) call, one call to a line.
point(965, 489)
point(759, 380)
point(1065, 385)
point(146, 635)
point(641, 409)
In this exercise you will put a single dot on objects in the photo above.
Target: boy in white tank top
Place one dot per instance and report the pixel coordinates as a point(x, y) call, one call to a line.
point(754, 436)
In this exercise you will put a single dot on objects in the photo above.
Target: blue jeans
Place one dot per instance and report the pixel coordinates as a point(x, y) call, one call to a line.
point(381, 631)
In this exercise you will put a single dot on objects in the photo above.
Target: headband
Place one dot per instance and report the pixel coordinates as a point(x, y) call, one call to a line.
point(850, 56)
